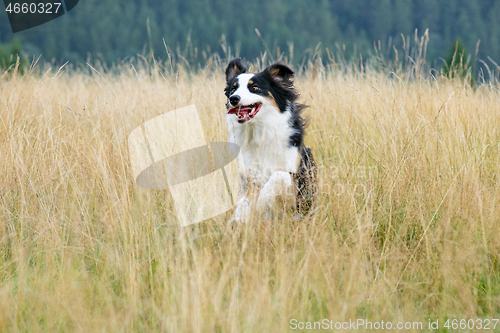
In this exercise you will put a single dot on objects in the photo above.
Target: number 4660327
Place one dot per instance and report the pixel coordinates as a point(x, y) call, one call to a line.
point(33, 8)
point(485, 324)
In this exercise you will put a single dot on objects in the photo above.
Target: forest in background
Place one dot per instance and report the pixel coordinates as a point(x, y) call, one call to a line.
point(110, 30)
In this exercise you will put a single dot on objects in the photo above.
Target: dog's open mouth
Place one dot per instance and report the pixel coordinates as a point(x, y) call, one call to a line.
point(246, 112)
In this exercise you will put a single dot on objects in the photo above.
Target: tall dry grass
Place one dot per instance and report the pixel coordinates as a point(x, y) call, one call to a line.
point(406, 227)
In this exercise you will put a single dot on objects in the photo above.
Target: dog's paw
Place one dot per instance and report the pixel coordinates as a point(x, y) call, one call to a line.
point(242, 212)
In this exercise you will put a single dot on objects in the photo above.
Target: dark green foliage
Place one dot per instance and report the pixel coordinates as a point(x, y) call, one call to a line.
point(457, 63)
point(9, 55)
point(110, 30)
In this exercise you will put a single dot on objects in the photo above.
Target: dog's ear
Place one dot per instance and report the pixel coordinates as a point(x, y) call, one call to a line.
point(234, 69)
point(281, 74)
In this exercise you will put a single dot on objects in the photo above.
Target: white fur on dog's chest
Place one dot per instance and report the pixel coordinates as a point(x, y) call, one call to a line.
point(264, 143)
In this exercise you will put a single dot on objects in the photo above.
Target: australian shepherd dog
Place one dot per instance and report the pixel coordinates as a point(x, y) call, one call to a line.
point(264, 120)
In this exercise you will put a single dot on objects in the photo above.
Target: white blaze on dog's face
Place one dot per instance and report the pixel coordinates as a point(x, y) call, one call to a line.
point(242, 89)
point(243, 101)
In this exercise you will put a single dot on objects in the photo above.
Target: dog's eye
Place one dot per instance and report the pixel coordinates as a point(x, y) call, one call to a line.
point(255, 88)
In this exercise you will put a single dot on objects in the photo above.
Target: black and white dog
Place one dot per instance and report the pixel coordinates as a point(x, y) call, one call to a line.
point(265, 121)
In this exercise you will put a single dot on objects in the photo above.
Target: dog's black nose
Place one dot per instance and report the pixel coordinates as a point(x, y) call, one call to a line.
point(235, 99)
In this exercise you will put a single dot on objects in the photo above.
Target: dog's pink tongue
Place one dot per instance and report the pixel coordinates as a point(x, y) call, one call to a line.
point(238, 110)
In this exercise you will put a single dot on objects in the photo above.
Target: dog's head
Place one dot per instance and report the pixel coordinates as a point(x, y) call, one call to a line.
point(248, 94)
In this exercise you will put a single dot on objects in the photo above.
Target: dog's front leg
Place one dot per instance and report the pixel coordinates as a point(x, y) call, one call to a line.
point(242, 211)
point(280, 184)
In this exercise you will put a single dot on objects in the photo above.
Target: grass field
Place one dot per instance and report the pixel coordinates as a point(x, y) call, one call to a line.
point(406, 227)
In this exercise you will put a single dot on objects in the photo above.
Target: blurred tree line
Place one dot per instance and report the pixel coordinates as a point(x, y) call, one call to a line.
point(112, 30)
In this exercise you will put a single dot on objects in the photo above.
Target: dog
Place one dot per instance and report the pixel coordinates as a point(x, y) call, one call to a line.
point(265, 121)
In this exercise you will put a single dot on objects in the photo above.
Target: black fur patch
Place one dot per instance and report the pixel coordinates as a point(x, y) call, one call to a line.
point(298, 124)
point(276, 82)
point(306, 181)
point(234, 69)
